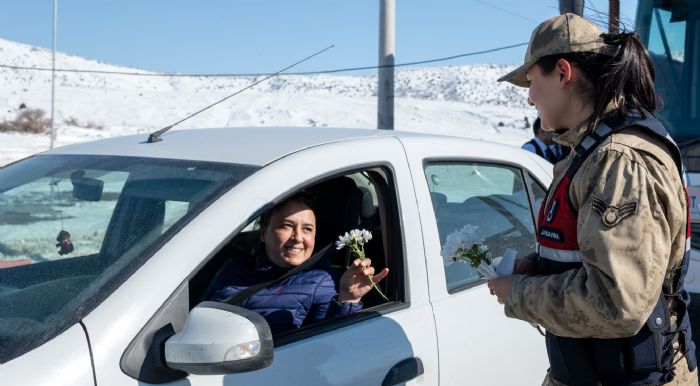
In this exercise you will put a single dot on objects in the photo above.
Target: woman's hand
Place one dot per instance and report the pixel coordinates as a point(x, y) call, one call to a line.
point(500, 287)
point(358, 279)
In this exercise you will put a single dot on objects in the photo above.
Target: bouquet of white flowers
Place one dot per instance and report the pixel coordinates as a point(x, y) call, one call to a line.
point(356, 240)
point(463, 245)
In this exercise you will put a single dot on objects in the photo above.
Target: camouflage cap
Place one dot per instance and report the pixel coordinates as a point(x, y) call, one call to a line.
point(559, 35)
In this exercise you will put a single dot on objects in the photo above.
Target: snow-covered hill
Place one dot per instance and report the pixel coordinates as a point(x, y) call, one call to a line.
point(458, 100)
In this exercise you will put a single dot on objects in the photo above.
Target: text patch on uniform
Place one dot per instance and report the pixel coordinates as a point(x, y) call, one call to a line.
point(551, 234)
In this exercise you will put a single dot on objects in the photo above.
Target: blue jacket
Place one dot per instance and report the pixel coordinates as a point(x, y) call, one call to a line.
point(306, 297)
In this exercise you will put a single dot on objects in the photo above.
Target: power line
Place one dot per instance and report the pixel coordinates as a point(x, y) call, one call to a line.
point(261, 74)
point(410, 63)
point(507, 11)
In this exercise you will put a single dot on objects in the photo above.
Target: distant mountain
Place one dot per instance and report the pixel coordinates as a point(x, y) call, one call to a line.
point(475, 84)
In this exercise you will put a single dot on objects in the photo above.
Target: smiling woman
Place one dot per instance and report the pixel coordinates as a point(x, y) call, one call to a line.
point(289, 232)
point(287, 240)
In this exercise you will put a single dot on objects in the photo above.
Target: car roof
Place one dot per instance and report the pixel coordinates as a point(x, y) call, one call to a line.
point(244, 145)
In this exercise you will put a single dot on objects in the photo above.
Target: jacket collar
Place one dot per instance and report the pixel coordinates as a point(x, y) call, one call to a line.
point(573, 137)
point(264, 268)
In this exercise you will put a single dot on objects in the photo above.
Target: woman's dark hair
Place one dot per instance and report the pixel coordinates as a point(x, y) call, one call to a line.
point(302, 197)
point(626, 79)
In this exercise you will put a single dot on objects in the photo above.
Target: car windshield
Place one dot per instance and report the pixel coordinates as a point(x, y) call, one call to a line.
point(74, 227)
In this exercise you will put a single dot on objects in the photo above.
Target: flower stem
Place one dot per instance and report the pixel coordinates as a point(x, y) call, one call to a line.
point(359, 251)
point(377, 288)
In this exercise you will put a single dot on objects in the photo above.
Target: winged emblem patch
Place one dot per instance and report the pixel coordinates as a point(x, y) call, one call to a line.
point(612, 215)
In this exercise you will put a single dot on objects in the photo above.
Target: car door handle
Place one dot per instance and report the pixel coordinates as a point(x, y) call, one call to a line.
point(404, 371)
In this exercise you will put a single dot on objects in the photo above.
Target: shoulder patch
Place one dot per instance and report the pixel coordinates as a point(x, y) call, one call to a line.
point(612, 215)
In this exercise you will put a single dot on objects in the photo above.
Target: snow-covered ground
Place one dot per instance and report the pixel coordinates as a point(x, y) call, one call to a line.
point(460, 100)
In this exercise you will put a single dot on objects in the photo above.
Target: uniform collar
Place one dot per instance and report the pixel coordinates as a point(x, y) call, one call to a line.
point(572, 137)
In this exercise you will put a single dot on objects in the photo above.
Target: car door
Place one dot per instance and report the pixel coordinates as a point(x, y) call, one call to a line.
point(361, 350)
point(64, 360)
point(483, 185)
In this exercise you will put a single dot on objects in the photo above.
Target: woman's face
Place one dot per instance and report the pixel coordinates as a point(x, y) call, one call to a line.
point(290, 235)
point(548, 96)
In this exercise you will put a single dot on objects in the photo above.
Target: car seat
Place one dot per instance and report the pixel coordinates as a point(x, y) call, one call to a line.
point(337, 204)
point(438, 199)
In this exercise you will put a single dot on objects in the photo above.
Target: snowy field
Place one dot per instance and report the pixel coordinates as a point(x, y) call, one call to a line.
point(461, 100)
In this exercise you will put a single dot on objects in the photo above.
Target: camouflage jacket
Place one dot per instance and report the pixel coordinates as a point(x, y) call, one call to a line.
point(624, 265)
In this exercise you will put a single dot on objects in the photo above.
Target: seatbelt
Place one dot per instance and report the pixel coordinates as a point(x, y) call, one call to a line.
point(238, 298)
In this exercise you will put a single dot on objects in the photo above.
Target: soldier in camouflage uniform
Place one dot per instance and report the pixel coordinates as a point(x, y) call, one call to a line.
point(607, 280)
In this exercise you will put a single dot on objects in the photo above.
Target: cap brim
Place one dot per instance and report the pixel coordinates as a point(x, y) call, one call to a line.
point(518, 76)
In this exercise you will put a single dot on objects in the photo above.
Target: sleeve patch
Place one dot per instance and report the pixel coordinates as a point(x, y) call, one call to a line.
point(612, 215)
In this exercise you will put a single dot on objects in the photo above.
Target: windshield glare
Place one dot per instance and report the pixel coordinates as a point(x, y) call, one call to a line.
point(72, 228)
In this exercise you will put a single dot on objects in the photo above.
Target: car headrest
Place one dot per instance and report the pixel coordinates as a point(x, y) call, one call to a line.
point(367, 206)
point(438, 199)
point(338, 202)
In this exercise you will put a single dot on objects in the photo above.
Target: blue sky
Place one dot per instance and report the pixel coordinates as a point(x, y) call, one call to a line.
point(263, 36)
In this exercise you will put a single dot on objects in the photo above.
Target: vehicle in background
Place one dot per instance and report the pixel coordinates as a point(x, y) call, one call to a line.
point(671, 31)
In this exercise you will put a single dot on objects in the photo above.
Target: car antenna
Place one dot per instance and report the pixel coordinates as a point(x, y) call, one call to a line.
point(155, 136)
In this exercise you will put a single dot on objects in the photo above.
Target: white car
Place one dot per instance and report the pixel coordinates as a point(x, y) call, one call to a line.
point(106, 249)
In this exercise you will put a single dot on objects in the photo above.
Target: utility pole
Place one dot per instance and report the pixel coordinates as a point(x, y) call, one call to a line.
point(572, 6)
point(385, 74)
point(614, 18)
point(53, 72)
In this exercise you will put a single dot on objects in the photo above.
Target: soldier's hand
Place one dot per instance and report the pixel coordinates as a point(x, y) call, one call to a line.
point(500, 287)
point(526, 265)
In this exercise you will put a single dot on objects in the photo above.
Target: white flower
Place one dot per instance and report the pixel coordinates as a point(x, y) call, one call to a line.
point(355, 240)
point(343, 240)
point(366, 235)
point(355, 236)
point(460, 238)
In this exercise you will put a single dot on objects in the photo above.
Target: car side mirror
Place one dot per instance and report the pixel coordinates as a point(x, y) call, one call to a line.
point(220, 338)
point(84, 188)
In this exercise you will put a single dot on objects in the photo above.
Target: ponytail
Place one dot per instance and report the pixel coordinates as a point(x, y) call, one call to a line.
point(629, 79)
point(626, 79)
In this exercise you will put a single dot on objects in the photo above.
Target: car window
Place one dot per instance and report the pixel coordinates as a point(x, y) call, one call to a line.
point(359, 200)
point(492, 199)
point(75, 227)
point(538, 192)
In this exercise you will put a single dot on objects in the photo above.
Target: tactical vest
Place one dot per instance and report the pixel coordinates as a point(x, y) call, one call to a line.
point(647, 357)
